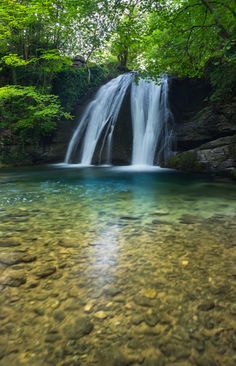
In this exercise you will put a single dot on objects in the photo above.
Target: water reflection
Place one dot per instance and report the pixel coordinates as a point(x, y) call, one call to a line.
point(104, 254)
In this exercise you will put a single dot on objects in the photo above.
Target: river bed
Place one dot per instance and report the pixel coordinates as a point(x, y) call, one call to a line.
point(115, 267)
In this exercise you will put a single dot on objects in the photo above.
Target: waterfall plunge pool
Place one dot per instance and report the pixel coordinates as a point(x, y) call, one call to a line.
point(112, 266)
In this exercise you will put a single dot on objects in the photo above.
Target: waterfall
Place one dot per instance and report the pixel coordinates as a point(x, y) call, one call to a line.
point(151, 122)
point(101, 114)
point(151, 117)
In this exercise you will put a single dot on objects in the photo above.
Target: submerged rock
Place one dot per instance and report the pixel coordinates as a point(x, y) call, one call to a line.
point(151, 319)
point(45, 271)
point(13, 279)
point(39, 311)
point(88, 307)
point(150, 293)
point(129, 217)
point(114, 358)
point(101, 315)
point(52, 337)
point(154, 361)
point(176, 351)
point(10, 259)
point(137, 319)
point(206, 306)
point(112, 291)
point(143, 301)
point(190, 219)
point(80, 328)
point(9, 243)
point(28, 258)
point(206, 361)
point(59, 315)
point(68, 244)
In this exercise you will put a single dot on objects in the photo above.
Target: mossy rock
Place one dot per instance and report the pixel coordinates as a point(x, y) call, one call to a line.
point(14, 156)
point(186, 161)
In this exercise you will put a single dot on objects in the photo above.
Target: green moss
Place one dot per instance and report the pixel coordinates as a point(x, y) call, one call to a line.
point(186, 161)
point(15, 156)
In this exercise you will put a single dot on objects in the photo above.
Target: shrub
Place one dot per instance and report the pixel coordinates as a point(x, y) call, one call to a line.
point(29, 113)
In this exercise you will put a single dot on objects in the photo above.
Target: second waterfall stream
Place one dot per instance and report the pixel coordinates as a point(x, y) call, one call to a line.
point(152, 126)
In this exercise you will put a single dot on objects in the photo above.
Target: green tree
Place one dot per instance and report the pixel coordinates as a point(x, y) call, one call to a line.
point(29, 113)
point(190, 37)
point(126, 38)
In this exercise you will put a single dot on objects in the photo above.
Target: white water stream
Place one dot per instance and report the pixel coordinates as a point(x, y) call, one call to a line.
point(151, 116)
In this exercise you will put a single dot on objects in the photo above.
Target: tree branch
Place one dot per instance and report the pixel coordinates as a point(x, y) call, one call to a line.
point(223, 32)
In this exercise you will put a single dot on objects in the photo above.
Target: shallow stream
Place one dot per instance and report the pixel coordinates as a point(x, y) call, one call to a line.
point(116, 267)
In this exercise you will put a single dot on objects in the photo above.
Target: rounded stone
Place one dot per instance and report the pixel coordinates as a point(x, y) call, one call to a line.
point(101, 315)
point(80, 328)
point(45, 271)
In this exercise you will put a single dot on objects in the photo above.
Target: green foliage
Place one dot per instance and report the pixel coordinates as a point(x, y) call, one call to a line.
point(29, 113)
point(223, 87)
point(184, 37)
point(73, 83)
point(126, 39)
point(13, 60)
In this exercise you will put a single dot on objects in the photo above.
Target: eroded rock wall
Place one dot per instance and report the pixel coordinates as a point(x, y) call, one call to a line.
point(205, 131)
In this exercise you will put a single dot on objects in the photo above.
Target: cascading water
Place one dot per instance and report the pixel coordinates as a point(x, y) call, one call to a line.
point(151, 122)
point(151, 119)
point(101, 113)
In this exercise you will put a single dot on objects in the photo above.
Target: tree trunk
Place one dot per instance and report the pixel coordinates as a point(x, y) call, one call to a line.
point(13, 75)
point(223, 31)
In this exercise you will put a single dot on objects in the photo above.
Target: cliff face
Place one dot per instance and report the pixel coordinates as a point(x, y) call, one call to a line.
point(205, 132)
point(51, 150)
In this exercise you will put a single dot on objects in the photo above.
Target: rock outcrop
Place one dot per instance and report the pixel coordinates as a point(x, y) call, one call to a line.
point(205, 131)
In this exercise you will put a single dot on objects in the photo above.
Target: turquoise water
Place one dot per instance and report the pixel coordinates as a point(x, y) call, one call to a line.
point(110, 266)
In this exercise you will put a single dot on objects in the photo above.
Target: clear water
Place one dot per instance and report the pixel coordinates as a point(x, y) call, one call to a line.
point(111, 266)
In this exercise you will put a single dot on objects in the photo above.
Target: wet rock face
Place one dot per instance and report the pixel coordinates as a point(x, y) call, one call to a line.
point(218, 156)
point(205, 132)
point(210, 123)
point(51, 150)
point(186, 96)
